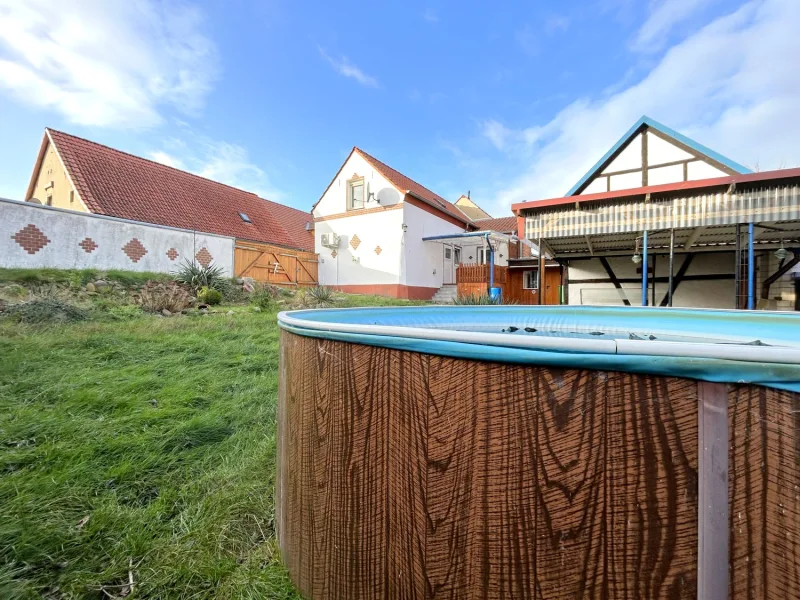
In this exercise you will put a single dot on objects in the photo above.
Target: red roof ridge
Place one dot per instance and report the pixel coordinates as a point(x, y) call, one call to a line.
point(150, 160)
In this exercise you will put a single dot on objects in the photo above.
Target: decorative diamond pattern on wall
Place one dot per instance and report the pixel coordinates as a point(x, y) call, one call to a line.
point(88, 245)
point(172, 253)
point(135, 250)
point(204, 257)
point(378, 250)
point(333, 254)
point(31, 238)
point(355, 241)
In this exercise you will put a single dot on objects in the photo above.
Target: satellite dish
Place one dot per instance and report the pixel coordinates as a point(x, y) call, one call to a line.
point(35, 201)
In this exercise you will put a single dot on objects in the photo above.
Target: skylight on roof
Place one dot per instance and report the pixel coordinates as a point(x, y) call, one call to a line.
point(245, 218)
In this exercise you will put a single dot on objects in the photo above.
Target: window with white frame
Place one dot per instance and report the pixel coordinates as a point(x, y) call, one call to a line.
point(530, 280)
point(482, 256)
point(355, 194)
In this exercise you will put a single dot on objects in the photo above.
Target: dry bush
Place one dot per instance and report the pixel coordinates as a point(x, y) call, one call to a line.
point(156, 296)
point(45, 310)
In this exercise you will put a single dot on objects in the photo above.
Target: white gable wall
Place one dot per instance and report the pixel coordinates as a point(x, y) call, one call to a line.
point(378, 226)
point(702, 170)
point(334, 201)
point(629, 158)
point(660, 151)
point(661, 154)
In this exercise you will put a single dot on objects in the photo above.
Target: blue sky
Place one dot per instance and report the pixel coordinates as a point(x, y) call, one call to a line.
point(511, 100)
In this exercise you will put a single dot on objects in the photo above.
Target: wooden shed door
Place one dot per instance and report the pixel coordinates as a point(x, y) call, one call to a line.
point(552, 281)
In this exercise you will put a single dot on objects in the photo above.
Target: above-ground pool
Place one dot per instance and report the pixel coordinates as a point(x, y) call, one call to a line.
point(540, 452)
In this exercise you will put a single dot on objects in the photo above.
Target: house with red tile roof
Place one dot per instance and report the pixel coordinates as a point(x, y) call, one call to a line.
point(77, 174)
point(378, 231)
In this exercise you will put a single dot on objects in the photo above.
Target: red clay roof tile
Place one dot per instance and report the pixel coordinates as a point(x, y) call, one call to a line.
point(404, 183)
point(119, 184)
point(501, 224)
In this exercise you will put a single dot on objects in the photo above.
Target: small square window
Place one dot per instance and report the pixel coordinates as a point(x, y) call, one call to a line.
point(448, 253)
point(530, 280)
point(245, 218)
point(355, 194)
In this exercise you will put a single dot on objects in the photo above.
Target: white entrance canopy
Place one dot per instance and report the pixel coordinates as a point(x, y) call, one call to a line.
point(453, 238)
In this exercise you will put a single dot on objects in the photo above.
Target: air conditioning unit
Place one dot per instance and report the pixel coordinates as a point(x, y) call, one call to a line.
point(329, 240)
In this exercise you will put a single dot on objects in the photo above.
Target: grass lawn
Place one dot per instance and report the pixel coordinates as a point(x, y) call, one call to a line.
point(144, 447)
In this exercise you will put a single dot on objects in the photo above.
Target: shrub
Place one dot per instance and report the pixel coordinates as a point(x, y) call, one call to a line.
point(209, 296)
point(46, 310)
point(320, 296)
point(264, 296)
point(123, 312)
point(233, 293)
point(13, 291)
point(475, 299)
point(197, 277)
point(156, 296)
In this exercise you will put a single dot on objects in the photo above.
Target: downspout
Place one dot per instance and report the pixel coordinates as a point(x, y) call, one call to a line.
point(644, 268)
point(491, 261)
point(751, 267)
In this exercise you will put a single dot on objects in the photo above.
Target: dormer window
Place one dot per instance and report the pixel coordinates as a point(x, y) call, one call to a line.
point(355, 193)
point(245, 218)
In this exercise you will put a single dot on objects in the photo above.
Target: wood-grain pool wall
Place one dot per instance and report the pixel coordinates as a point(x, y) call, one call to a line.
point(404, 475)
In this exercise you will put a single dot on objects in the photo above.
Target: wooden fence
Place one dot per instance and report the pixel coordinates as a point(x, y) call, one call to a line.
point(275, 265)
point(473, 280)
point(479, 274)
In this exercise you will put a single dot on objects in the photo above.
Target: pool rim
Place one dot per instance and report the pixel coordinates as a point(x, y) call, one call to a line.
point(731, 350)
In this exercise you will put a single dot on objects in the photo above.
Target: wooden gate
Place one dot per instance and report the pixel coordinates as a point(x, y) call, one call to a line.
point(275, 265)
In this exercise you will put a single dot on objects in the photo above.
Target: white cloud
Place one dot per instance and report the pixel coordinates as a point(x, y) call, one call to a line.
point(732, 86)
point(497, 133)
point(528, 39)
point(664, 16)
point(430, 16)
point(217, 160)
point(166, 159)
point(555, 24)
point(103, 62)
point(344, 67)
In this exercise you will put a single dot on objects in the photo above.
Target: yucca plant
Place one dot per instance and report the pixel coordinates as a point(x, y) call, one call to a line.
point(196, 276)
point(321, 296)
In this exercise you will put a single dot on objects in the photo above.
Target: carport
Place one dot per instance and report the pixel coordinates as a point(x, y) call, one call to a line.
point(750, 217)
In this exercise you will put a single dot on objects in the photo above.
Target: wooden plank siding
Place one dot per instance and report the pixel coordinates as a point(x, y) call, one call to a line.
point(403, 475)
point(474, 280)
point(275, 265)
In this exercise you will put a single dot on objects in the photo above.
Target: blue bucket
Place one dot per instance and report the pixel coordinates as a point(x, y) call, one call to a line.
point(496, 295)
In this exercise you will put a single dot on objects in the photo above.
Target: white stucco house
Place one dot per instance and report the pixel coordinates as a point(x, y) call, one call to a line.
point(373, 228)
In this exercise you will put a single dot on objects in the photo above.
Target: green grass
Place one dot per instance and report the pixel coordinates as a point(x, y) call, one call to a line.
point(148, 442)
point(77, 277)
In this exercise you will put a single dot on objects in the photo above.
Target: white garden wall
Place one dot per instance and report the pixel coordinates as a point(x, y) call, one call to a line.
point(36, 236)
